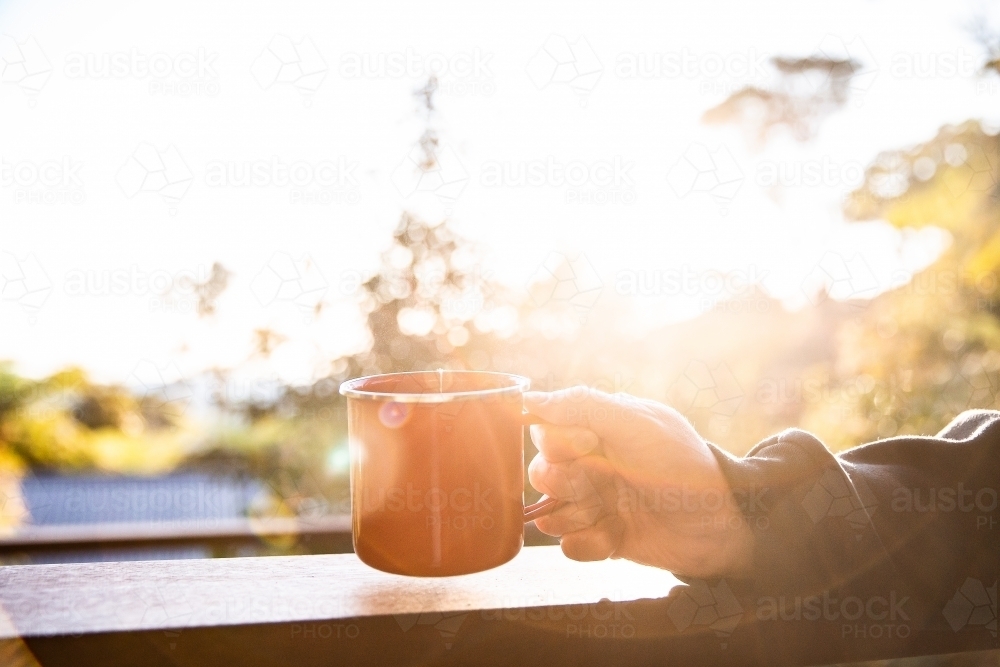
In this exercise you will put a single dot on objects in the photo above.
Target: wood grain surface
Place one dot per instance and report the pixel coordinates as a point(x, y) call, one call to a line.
point(46, 600)
point(304, 611)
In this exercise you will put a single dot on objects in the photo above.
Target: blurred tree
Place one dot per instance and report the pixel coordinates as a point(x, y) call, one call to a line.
point(64, 422)
point(931, 347)
point(429, 305)
point(432, 304)
point(211, 289)
point(904, 363)
point(806, 91)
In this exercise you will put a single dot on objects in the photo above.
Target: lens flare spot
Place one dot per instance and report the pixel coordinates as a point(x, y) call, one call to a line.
point(393, 414)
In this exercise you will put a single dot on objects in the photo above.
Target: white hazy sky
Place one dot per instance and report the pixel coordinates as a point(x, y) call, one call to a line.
point(134, 158)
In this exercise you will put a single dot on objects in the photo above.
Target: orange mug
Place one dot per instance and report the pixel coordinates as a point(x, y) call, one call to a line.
point(437, 461)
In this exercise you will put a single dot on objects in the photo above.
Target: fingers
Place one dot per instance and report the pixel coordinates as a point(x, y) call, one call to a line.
point(586, 487)
point(596, 542)
point(571, 516)
point(604, 414)
point(563, 443)
point(565, 481)
point(587, 523)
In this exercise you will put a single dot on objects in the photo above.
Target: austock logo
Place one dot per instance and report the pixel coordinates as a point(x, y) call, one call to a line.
point(25, 282)
point(700, 605)
point(445, 624)
point(322, 182)
point(56, 181)
point(839, 278)
point(325, 631)
point(865, 67)
point(461, 73)
point(714, 173)
point(289, 63)
point(157, 606)
point(296, 281)
point(304, 497)
point(737, 68)
point(598, 620)
point(834, 496)
point(972, 169)
point(561, 62)
point(564, 280)
point(711, 389)
point(597, 182)
point(982, 502)
point(163, 384)
point(181, 74)
point(414, 499)
point(24, 64)
point(152, 171)
point(746, 506)
point(440, 174)
point(973, 605)
point(873, 617)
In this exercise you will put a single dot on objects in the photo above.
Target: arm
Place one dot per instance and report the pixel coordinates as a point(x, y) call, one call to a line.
point(915, 513)
point(814, 530)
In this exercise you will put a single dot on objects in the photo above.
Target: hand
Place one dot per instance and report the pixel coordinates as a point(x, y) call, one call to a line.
point(637, 482)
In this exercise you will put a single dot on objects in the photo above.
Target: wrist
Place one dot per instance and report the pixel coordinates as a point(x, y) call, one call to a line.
point(736, 549)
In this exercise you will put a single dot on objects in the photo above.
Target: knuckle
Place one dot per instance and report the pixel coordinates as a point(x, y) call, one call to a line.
point(536, 470)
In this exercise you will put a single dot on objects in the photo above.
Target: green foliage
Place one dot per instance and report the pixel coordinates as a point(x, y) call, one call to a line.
point(65, 422)
point(930, 348)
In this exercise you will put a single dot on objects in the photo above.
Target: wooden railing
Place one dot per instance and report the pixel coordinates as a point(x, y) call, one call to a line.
point(539, 609)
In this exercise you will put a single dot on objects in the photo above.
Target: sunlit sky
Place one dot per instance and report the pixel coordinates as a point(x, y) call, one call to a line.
point(193, 91)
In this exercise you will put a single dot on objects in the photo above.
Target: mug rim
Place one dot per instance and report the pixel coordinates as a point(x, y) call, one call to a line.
point(350, 390)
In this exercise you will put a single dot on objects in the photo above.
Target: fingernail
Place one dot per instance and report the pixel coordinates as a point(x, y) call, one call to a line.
point(534, 397)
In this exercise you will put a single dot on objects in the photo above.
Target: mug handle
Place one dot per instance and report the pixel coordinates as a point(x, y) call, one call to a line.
point(545, 506)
